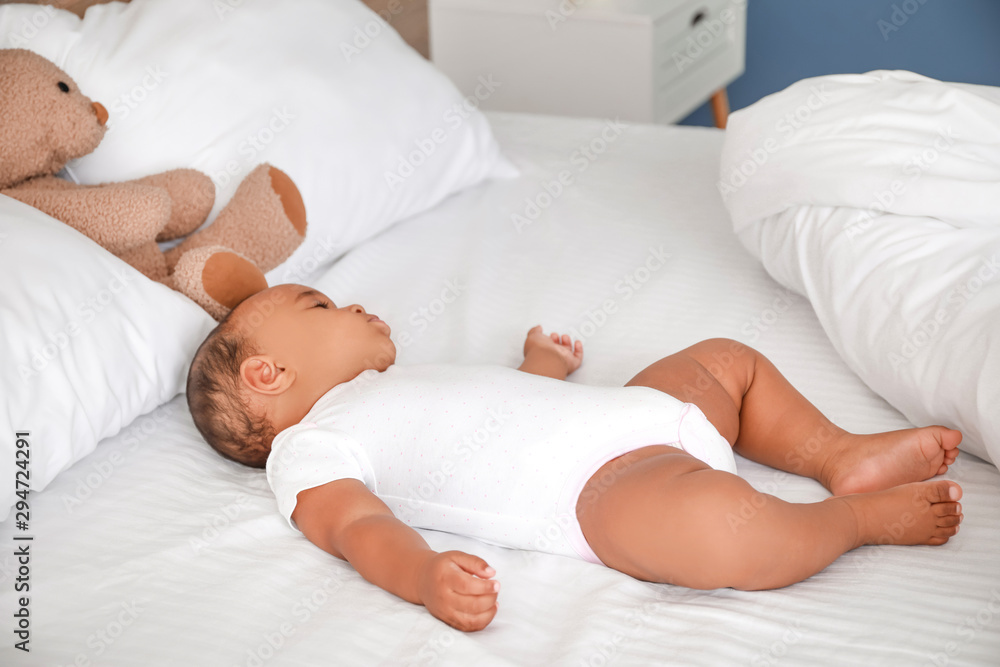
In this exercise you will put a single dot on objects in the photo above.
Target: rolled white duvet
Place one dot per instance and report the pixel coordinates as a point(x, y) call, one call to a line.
point(877, 196)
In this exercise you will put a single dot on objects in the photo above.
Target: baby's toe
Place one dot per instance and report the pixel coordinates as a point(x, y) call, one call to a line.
point(942, 491)
point(946, 509)
point(939, 538)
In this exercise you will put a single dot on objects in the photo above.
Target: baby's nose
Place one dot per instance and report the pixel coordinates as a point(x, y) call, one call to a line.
point(357, 308)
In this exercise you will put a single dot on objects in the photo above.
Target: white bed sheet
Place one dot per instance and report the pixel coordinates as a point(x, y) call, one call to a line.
point(155, 551)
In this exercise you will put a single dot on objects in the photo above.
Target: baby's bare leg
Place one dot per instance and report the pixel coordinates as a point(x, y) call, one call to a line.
point(670, 518)
point(767, 420)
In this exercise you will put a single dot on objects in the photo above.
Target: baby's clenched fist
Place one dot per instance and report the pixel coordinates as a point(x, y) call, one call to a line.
point(456, 588)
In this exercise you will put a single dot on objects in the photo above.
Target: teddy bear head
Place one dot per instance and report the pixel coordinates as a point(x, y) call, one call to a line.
point(45, 121)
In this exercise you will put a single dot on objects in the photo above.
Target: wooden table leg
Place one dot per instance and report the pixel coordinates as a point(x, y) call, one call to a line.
point(720, 107)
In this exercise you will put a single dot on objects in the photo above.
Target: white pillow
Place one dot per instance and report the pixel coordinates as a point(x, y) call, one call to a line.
point(89, 344)
point(325, 90)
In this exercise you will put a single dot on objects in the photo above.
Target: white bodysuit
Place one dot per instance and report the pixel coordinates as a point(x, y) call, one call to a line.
point(485, 451)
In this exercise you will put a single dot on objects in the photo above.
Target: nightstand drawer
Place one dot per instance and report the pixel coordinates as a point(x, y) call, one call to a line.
point(695, 34)
point(685, 19)
point(702, 44)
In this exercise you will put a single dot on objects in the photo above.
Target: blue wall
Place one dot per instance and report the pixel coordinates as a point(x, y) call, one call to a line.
point(788, 40)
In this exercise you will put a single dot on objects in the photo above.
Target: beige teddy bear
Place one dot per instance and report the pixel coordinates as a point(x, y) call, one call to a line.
point(45, 121)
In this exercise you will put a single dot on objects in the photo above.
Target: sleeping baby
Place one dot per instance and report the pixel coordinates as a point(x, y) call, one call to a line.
point(359, 452)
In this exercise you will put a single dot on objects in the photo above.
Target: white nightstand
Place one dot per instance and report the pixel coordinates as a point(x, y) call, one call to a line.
point(648, 61)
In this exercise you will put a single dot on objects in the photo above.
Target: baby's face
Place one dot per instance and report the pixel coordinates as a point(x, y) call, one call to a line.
point(302, 328)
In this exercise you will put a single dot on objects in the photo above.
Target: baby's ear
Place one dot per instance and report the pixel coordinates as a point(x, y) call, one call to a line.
point(261, 374)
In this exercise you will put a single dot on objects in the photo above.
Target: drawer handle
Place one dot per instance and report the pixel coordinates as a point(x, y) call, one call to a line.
point(697, 18)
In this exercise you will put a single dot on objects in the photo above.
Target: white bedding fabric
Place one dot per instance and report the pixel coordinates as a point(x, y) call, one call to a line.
point(153, 550)
point(89, 344)
point(880, 201)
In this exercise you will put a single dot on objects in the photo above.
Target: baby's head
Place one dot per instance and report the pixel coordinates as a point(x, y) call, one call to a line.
point(265, 365)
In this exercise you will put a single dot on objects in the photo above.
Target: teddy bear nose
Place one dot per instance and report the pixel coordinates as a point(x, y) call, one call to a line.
point(102, 113)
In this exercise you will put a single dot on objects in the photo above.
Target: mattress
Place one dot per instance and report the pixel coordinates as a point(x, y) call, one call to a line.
point(153, 550)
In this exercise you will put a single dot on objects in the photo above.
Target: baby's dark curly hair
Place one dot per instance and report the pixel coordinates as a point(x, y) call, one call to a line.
point(220, 411)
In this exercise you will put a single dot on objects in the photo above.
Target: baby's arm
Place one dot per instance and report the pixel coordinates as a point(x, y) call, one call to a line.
point(347, 520)
point(551, 355)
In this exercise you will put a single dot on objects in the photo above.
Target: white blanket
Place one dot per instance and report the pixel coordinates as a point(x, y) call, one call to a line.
point(877, 196)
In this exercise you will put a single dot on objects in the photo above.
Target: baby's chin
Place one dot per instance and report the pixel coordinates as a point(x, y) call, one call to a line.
point(390, 355)
point(385, 357)
point(384, 362)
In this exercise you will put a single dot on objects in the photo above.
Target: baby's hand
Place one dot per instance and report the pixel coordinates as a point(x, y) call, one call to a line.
point(456, 588)
point(563, 346)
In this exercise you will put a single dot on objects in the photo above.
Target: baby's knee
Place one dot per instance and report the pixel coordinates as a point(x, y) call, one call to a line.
point(729, 362)
point(721, 355)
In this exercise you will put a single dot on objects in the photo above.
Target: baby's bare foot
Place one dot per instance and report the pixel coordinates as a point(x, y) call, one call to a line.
point(864, 463)
point(916, 513)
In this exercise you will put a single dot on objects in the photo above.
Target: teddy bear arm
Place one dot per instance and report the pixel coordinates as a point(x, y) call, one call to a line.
point(118, 217)
point(192, 194)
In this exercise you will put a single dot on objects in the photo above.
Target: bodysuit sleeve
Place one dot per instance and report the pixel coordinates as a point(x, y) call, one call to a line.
point(305, 456)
